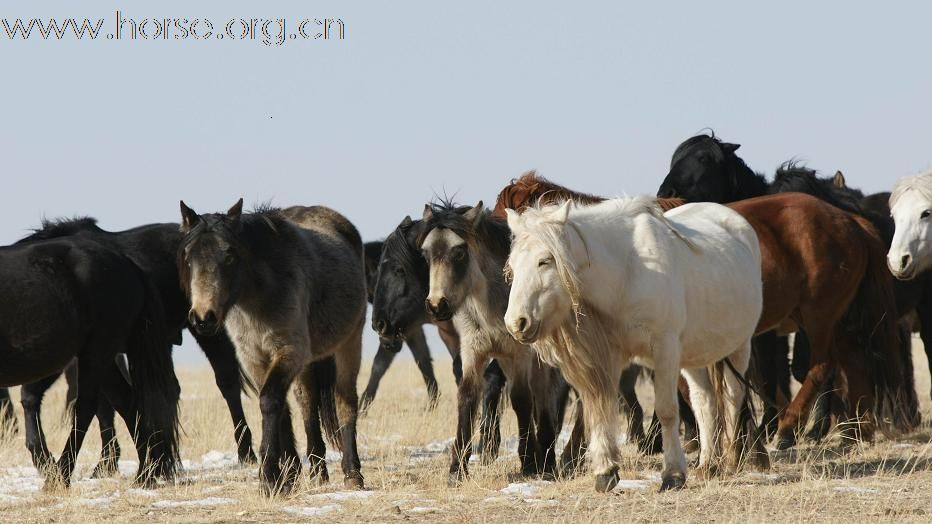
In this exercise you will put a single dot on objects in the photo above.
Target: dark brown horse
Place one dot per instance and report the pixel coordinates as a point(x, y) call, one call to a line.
point(823, 271)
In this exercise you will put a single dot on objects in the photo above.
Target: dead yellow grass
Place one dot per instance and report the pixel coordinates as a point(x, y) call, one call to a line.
point(404, 461)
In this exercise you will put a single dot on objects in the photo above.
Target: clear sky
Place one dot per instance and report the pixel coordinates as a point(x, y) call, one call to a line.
point(425, 97)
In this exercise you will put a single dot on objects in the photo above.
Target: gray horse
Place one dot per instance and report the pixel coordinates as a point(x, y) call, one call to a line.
point(289, 286)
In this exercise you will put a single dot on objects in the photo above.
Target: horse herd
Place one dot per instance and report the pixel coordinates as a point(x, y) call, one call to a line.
point(560, 296)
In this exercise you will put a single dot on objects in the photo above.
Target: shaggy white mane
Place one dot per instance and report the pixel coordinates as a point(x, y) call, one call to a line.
point(921, 183)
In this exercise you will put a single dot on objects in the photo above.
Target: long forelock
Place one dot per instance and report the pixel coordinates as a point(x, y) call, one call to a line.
point(921, 183)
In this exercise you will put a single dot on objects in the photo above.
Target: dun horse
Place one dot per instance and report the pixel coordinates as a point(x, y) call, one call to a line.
point(289, 286)
point(597, 286)
point(466, 248)
point(400, 289)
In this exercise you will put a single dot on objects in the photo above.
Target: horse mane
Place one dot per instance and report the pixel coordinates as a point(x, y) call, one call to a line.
point(490, 231)
point(60, 227)
point(398, 246)
point(921, 183)
point(533, 189)
point(794, 176)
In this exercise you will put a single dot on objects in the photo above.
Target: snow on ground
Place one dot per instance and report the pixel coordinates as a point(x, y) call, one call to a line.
point(209, 501)
point(311, 511)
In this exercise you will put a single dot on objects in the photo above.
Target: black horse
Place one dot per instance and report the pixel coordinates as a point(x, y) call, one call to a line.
point(7, 415)
point(399, 285)
point(153, 249)
point(73, 298)
point(413, 336)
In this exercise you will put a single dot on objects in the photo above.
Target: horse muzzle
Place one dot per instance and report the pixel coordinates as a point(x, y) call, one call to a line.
point(524, 330)
point(209, 324)
point(440, 311)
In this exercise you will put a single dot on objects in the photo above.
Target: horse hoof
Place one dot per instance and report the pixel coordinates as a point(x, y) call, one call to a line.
point(605, 482)
point(456, 479)
point(785, 442)
point(102, 471)
point(248, 458)
point(354, 481)
point(673, 481)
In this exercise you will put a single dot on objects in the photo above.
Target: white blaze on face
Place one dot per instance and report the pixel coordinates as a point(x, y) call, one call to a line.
point(440, 242)
point(911, 252)
point(205, 292)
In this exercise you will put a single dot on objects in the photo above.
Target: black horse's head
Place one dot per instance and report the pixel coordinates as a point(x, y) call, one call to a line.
point(400, 286)
point(705, 169)
point(211, 264)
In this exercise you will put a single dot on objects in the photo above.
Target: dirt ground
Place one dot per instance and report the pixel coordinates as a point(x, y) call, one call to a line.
point(404, 456)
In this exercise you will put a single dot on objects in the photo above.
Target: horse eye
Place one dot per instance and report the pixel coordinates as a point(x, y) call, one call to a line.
point(925, 214)
point(543, 262)
point(459, 254)
point(399, 271)
point(229, 258)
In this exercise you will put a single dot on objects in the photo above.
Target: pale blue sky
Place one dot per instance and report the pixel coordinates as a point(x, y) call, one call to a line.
point(429, 96)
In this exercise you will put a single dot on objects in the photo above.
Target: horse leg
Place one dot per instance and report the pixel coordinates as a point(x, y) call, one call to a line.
point(860, 405)
point(551, 394)
point(573, 458)
point(221, 354)
point(7, 415)
point(706, 410)
point(821, 411)
point(110, 447)
point(31, 396)
point(666, 375)
point(84, 410)
point(272, 404)
point(770, 356)
point(383, 359)
point(290, 462)
point(629, 402)
point(308, 394)
point(421, 352)
point(467, 398)
point(452, 341)
point(490, 423)
point(347, 362)
point(690, 426)
point(600, 407)
point(522, 404)
point(741, 439)
point(924, 310)
point(71, 380)
point(796, 413)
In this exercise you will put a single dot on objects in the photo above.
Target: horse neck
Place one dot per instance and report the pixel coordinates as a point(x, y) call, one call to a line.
point(748, 184)
point(488, 296)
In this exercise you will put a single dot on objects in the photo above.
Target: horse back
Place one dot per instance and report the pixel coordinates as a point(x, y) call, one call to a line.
point(327, 221)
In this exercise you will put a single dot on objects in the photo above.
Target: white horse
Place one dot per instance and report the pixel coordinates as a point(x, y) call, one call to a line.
point(599, 286)
point(911, 207)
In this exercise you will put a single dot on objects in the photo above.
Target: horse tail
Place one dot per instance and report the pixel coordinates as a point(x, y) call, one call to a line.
point(873, 318)
point(324, 379)
point(155, 387)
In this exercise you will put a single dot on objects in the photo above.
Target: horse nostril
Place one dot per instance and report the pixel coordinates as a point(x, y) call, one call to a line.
point(380, 326)
point(522, 325)
point(904, 262)
point(210, 318)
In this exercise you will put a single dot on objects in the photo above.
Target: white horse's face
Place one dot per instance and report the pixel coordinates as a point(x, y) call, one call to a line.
point(911, 250)
point(538, 302)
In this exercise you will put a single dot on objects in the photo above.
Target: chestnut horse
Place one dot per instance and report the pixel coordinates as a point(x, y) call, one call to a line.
point(823, 270)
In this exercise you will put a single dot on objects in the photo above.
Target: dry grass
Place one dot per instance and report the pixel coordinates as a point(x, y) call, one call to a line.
point(404, 464)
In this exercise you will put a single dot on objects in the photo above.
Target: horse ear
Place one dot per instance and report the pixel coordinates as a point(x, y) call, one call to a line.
point(730, 148)
point(428, 213)
point(189, 217)
point(236, 211)
point(561, 214)
point(839, 180)
point(406, 223)
point(474, 214)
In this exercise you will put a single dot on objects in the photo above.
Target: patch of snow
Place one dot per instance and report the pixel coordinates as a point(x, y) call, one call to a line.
point(127, 467)
point(526, 489)
point(856, 489)
point(209, 501)
point(7, 499)
point(311, 511)
point(19, 480)
point(151, 493)
point(632, 484)
point(344, 495)
point(902, 445)
point(542, 502)
point(423, 509)
point(213, 459)
point(98, 501)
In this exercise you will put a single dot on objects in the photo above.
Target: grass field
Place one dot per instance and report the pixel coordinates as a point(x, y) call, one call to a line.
point(403, 449)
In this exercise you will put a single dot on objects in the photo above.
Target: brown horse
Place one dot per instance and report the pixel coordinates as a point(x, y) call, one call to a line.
point(824, 271)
